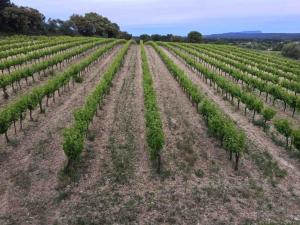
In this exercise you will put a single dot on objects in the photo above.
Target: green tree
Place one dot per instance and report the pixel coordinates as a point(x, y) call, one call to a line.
point(291, 50)
point(145, 37)
point(84, 27)
point(4, 4)
point(125, 35)
point(194, 37)
point(22, 20)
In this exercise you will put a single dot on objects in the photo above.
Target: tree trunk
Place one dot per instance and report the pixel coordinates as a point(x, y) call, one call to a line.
point(15, 128)
point(294, 111)
point(254, 112)
point(6, 137)
point(30, 114)
point(21, 125)
point(5, 93)
point(41, 107)
point(158, 163)
point(237, 158)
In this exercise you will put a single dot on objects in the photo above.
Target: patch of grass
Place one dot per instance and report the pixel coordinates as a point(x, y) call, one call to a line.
point(260, 123)
point(165, 174)
point(197, 195)
point(78, 79)
point(129, 212)
point(76, 168)
point(216, 192)
point(40, 148)
point(214, 168)
point(277, 141)
point(62, 195)
point(199, 173)
point(13, 142)
point(185, 146)
point(269, 167)
point(67, 175)
point(22, 180)
point(3, 156)
point(122, 160)
point(255, 190)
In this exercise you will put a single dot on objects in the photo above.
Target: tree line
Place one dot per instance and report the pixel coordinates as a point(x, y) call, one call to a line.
point(26, 20)
point(192, 37)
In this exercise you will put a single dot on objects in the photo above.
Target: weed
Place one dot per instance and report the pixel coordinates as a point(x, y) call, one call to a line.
point(199, 173)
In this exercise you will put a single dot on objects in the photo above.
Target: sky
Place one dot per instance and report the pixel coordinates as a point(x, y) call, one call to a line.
point(179, 17)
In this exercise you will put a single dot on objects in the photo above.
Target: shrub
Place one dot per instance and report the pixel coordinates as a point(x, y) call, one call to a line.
point(291, 50)
point(283, 126)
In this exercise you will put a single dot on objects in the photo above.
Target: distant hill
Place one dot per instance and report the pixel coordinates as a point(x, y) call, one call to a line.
point(250, 35)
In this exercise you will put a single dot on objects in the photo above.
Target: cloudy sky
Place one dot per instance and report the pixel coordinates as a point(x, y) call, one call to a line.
point(179, 17)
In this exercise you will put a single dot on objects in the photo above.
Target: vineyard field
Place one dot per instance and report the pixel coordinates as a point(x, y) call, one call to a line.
point(110, 131)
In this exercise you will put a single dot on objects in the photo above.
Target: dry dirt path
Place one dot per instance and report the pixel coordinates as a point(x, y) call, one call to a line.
point(30, 167)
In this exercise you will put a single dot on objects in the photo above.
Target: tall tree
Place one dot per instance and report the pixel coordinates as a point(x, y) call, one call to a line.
point(22, 20)
point(4, 4)
point(194, 37)
point(145, 37)
point(84, 27)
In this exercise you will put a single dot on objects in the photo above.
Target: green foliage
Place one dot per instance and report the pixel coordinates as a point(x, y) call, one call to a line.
point(296, 139)
point(25, 20)
point(194, 37)
point(73, 143)
point(155, 135)
point(234, 140)
point(22, 20)
point(158, 37)
point(268, 114)
point(95, 24)
point(145, 37)
point(291, 50)
point(284, 127)
point(74, 136)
